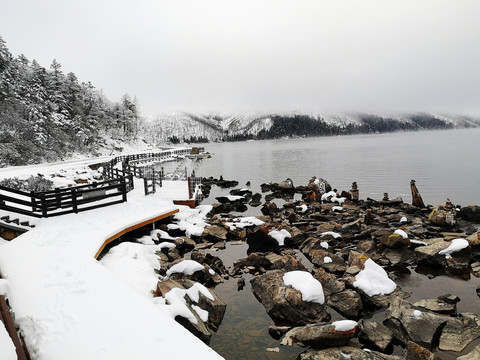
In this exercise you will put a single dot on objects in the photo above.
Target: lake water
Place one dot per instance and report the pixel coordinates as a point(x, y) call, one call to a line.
point(444, 163)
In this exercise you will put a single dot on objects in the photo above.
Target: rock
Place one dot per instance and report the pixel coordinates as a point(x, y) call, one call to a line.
point(278, 331)
point(400, 256)
point(318, 336)
point(216, 308)
point(286, 186)
point(381, 235)
point(430, 255)
point(345, 353)
point(283, 303)
point(474, 239)
point(459, 332)
point(259, 240)
point(437, 305)
point(410, 323)
point(347, 303)
point(376, 335)
point(471, 213)
point(395, 241)
point(441, 217)
point(184, 244)
point(472, 355)
point(215, 233)
point(321, 258)
point(329, 282)
point(269, 208)
point(260, 262)
point(416, 197)
point(414, 351)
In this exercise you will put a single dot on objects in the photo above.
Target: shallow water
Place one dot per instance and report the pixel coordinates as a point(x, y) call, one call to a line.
point(443, 163)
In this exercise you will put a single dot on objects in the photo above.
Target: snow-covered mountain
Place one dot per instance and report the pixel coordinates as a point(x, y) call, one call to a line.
point(190, 127)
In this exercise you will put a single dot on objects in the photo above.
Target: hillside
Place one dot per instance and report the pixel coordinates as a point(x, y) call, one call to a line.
point(187, 127)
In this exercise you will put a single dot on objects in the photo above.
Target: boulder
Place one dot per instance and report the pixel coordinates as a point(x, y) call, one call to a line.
point(414, 351)
point(471, 213)
point(215, 233)
point(376, 335)
point(430, 255)
point(278, 331)
point(318, 335)
point(347, 303)
point(269, 208)
point(330, 262)
point(329, 282)
point(395, 241)
point(286, 186)
point(459, 332)
point(345, 352)
point(410, 323)
point(472, 355)
point(438, 306)
point(283, 303)
point(474, 239)
point(442, 217)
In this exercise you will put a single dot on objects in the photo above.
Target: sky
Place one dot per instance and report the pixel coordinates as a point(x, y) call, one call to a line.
point(310, 56)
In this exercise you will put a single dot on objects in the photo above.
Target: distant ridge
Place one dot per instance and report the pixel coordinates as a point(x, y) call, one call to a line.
point(188, 127)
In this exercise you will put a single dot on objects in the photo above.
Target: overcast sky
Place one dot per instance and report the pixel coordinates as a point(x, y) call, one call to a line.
point(260, 55)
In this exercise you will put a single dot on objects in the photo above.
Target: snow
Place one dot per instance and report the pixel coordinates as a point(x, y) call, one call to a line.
point(279, 235)
point(418, 242)
point(70, 306)
point(373, 280)
point(7, 349)
point(302, 208)
point(402, 233)
point(240, 223)
point(233, 198)
point(403, 219)
point(311, 288)
point(417, 313)
point(327, 260)
point(324, 244)
point(455, 246)
point(4, 287)
point(331, 233)
point(337, 208)
point(160, 234)
point(187, 267)
point(344, 325)
point(334, 197)
point(146, 240)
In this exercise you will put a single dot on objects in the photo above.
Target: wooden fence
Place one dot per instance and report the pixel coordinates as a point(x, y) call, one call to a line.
point(65, 201)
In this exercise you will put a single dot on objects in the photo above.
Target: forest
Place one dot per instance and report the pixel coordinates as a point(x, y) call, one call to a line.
point(46, 115)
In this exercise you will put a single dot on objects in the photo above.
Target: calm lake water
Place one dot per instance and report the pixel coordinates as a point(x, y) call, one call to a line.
point(443, 163)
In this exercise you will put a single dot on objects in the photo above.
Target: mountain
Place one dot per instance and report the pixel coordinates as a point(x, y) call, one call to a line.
point(190, 128)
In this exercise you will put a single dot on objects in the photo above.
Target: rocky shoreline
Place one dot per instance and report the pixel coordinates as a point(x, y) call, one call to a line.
point(344, 238)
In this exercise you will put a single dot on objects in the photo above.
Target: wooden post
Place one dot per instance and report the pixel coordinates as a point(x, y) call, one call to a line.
point(189, 179)
point(416, 198)
point(145, 185)
point(34, 201)
point(43, 204)
point(58, 200)
point(74, 201)
point(123, 186)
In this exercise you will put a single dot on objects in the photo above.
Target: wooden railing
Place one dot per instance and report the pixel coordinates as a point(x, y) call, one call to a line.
point(65, 201)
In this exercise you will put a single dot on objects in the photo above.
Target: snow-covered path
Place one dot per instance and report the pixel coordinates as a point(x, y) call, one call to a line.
point(69, 306)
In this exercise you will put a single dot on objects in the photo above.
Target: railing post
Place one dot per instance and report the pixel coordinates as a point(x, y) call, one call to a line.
point(34, 201)
point(189, 188)
point(44, 205)
point(145, 185)
point(74, 201)
point(130, 179)
point(58, 200)
point(123, 187)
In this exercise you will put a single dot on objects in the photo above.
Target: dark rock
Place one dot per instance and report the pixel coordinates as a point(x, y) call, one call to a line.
point(259, 240)
point(269, 208)
point(422, 327)
point(184, 244)
point(318, 257)
point(283, 303)
point(416, 197)
point(471, 213)
point(459, 332)
point(347, 303)
point(277, 332)
point(430, 255)
point(395, 241)
point(376, 335)
point(329, 282)
point(286, 186)
point(215, 233)
point(318, 335)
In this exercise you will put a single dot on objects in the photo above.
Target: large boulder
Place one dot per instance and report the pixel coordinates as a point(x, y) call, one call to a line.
point(459, 332)
point(286, 186)
point(376, 335)
point(414, 351)
point(431, 255)
point(347, 303)
point(472, 355)
point(330, 262)
point(410, 323)
point(319, 336)
point(283, 303)
point(471, 213)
